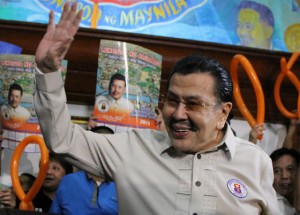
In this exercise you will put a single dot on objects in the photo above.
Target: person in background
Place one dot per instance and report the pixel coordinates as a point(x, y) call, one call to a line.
point(83, 193)
point(255, 25)
point(7, 197)
point(197, 167)
point(57, 169)
point(290, 140)
point(26, 181)
point(286, 166)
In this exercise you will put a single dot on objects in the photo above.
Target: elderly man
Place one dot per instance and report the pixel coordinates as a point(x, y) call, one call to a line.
point(200, 167)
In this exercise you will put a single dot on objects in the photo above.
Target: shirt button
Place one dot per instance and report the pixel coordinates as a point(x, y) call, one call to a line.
point(199, 156)
point(198, 183)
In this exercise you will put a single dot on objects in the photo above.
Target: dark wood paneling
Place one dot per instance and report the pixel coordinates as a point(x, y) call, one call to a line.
point(82, 66)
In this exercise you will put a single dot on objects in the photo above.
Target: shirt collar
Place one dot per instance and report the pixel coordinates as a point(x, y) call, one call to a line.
point(282, 198)
point(229, 141)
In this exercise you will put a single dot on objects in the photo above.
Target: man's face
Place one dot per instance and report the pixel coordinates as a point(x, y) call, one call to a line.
point(251, 31)
point(285, 172)
point(195, 126)
point(54, 174)
point(117, 89)
point(15, 98)
point(25, 183)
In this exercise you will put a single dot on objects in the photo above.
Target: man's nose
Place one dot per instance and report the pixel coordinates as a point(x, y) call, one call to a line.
point(285, 174)
point(180, 112)
point(49, 171)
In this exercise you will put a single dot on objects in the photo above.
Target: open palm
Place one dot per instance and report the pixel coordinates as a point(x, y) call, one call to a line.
point(57, 40)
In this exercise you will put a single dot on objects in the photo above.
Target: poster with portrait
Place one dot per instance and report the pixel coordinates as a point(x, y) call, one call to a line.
point(18, 117)
point(128, 85)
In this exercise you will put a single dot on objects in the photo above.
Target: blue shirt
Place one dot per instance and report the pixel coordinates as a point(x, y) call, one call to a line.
point(79, 194)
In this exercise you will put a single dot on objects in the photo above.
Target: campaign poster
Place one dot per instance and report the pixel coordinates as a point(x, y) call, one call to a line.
point(128, 86)
point(18, 117)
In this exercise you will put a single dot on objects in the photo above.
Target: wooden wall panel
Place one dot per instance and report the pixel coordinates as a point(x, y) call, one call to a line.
point(82, 66)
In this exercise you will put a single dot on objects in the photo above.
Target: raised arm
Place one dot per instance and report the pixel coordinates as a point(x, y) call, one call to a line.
point(49, 98)
point(291, 134)
point(57, 40)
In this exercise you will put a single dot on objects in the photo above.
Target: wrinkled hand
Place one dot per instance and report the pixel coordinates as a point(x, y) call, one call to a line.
point(8, 198)
point(256, 131)
point(57, 40)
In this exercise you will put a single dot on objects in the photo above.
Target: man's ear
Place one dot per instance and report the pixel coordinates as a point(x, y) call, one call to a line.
point(224, 112)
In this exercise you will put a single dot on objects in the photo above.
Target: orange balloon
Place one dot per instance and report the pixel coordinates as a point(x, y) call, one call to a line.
point(26, 199)
point(299, 106)
point(260, 117)
point(95, 15)
point(286, 71)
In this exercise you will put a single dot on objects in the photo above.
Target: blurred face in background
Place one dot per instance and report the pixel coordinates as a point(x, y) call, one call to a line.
point(55, 173)
point(285, 173)
point(26, 182)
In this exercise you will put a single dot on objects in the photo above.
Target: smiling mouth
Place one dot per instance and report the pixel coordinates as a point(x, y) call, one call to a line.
point(285, 186)
point(181, 130)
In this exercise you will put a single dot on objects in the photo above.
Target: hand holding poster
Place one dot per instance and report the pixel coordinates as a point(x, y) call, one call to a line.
point(18, 117)
point(128, 83)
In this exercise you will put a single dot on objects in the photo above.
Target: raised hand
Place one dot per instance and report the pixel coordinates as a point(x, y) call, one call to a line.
point(256, 131)
point(57, 40)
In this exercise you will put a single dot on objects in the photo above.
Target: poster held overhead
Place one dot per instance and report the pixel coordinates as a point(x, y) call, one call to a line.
point(128, 85)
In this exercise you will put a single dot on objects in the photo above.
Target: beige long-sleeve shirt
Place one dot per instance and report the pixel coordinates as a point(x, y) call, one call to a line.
point(152, 178)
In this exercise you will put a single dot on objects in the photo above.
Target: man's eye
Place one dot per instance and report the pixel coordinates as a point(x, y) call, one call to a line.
point(172, 101)
point(291, 169)
point(276, 171)
point(194, 104)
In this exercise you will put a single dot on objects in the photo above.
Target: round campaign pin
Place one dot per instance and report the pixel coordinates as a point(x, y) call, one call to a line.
point(237, 188)
point(103, 106)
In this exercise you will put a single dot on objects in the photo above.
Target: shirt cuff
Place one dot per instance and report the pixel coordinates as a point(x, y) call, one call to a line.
point(48, 82)
point(38, 71)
